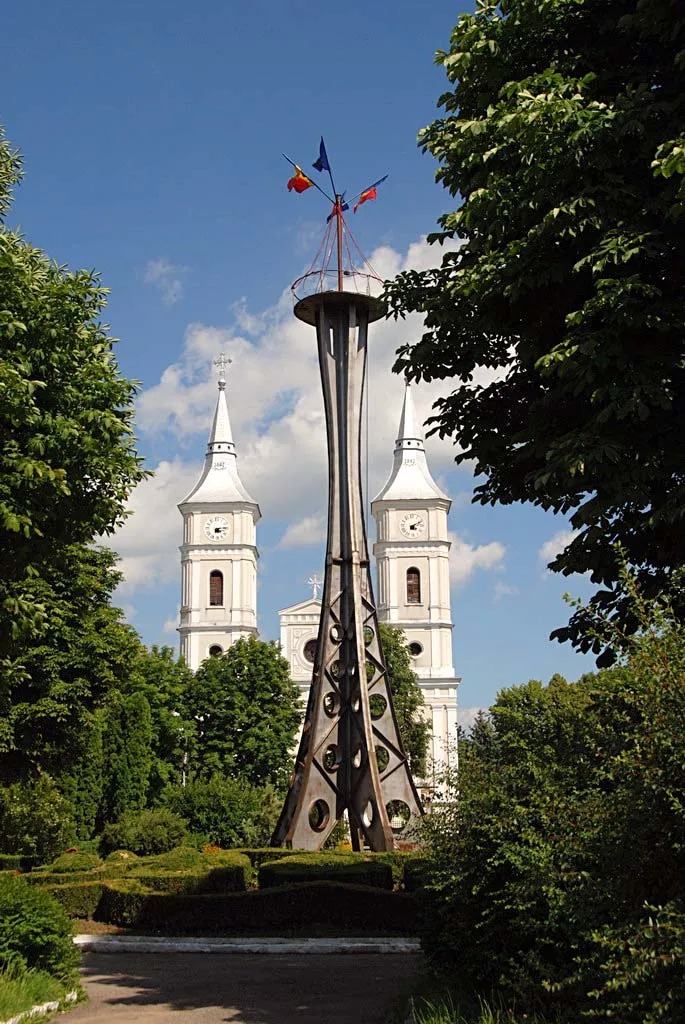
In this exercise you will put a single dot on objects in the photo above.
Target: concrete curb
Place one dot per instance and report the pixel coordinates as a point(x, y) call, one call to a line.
point(164, 944)
point(42, 1008)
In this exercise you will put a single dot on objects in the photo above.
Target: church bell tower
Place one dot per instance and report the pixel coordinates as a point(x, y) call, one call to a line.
point(412, 562)
point(219, 549)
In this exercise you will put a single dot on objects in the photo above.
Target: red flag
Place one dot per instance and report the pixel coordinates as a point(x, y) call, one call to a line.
point(299, 181)
point(365, 196)
point(369, 193)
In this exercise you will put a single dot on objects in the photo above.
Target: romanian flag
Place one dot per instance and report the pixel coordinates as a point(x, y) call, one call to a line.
point(299, 181)
point(369, 193)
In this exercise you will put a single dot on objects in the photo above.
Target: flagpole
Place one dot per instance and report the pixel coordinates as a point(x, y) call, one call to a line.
point(339, 217)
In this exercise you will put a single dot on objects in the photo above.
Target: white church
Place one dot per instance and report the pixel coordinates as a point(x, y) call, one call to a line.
point(219, 569)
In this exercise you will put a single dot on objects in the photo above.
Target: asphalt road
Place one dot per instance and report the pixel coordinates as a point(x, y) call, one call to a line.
point(208, 988)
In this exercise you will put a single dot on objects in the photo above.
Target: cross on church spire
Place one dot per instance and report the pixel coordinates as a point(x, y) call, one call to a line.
point(222, 362)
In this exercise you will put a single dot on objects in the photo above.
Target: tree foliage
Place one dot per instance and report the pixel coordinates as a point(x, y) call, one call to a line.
point(247, 710)
point(79, 652)
point(407, 698)
point(67, 456)
point(230, 812)
point(560, 312)
point(162, 679)
point(558, 875)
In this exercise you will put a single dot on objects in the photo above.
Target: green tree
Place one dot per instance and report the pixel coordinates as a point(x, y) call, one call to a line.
point(35, 819)
point(247, 710)
point(557, 875)
point(407, 698)
point(162, 679)
point(79, 652)
point(127, 755)
point(67, 457)
point(564, 137)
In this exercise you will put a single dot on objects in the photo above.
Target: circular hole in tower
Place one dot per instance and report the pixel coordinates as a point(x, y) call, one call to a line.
point(382, 758)
point(398, 814)
point(368, 813)
point(415, 649)
point(331, 758)
point(368, 635)
point(309, 650)
point(336, 634)
point(331, 703)
point(215, 651)
point(319, 813)
point(377, 706)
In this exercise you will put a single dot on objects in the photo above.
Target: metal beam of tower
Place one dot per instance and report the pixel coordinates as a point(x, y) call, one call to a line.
point(350, 756)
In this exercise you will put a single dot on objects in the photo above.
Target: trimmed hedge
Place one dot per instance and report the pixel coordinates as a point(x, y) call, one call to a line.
point(77, 899)
point(56, 878)
point(126, 857)
point(17, 862)
point(295, 909)
point(355, 869)
point(259, 854)
point(74, 862)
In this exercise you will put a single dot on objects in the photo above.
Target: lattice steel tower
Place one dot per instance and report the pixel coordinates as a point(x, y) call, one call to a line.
point(350, 756)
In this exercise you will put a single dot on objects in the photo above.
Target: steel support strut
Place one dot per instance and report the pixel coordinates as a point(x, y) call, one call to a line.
point(350, 755)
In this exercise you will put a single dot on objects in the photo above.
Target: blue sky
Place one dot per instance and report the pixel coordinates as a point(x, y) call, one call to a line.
point(152, 135)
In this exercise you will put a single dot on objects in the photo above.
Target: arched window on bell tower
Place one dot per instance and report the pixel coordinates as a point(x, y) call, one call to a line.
point(413, 586)
point(216, 588)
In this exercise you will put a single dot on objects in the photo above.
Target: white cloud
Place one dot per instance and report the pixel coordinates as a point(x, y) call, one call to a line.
point(467, 716)
point(170, 625)
point(148, 541)
point(165, 277)
point(275, 396)
point(555, 545)
point(310, 530)
point(504, 590)
point(465, 558)
point(276, 408)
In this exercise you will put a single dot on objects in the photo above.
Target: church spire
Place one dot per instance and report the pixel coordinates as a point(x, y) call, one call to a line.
point(219, 480)
point(410, 476)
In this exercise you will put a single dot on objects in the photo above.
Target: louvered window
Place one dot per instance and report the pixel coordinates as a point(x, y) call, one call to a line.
point(216, 587)
point(413, 586)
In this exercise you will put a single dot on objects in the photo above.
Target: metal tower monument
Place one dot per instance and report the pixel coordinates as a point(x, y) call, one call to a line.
point(350, 756)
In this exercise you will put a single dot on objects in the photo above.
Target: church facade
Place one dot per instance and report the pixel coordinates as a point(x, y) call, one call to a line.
point(219, 569)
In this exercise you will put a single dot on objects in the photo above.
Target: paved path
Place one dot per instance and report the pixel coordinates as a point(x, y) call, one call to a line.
point(154, 988)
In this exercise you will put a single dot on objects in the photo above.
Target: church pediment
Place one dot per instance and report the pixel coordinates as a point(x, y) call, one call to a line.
point(308, 608)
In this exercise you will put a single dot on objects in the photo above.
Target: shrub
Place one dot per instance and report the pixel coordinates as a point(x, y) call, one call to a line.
point(34, 930)
point(326, 867)
point(144, 832)
point(70, 862)
point(121, 857)
point(185, 870)
point(181, 858)
point(569, 822)
point(61, 878)
point(35, 819)
point(298, 909)
point(77, 899)
point(228, 811)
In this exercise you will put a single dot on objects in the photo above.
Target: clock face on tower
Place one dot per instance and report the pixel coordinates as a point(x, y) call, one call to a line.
point(413, 525)
point(216, 528)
